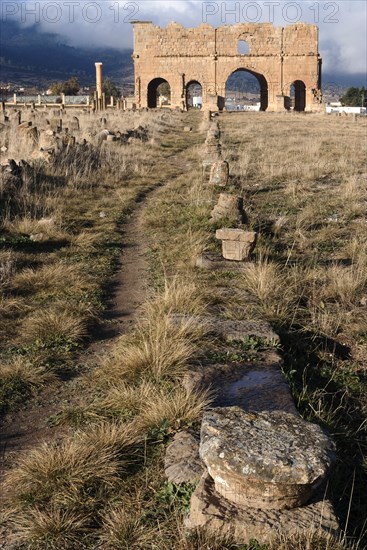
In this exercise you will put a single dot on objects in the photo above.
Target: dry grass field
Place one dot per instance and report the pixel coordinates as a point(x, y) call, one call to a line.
point(99, 482)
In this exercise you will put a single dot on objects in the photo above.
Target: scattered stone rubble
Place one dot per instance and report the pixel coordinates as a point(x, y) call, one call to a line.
point(43, 133)
point(262, 468)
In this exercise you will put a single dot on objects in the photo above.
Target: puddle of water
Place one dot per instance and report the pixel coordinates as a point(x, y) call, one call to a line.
point(252, 379)
point(256, 389)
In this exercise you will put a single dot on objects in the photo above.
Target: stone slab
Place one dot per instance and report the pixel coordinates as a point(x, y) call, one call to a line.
point(219, 173)
point(253, 387)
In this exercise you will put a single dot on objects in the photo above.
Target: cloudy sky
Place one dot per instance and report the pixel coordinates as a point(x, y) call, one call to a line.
point(88, 23)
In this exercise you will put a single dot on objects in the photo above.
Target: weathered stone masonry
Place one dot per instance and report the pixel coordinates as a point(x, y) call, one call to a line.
point(278, 57)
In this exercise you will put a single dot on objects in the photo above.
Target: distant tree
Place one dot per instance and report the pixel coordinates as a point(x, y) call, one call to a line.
point(69, 87)
point(110, 89)
point(353, 97)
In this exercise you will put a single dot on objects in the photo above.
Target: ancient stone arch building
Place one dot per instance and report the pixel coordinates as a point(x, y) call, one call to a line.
point(278, 57)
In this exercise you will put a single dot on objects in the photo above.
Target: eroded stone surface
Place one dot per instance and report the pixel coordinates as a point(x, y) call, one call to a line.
point(219, 173)
point(268, 460)
point(217, 514)
point(182, 462)
point(237, 244)
point(229, 207)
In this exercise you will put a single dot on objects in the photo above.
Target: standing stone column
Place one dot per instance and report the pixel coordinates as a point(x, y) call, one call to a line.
point(99, 84)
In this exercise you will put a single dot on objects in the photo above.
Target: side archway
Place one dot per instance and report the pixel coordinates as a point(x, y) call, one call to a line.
point(298, 95)
point(254, 86)
point(194, 95)
point(159, 93)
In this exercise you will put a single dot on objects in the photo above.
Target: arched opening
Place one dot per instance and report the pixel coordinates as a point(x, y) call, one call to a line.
point(298, 95)
point(159, 93)
point(246, 91)
point(194, 95)
point(243, 47)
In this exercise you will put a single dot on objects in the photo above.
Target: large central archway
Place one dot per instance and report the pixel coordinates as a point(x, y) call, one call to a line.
point(249, 87)
point(159, 93)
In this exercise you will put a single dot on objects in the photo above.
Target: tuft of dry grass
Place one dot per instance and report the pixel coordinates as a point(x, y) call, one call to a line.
point(57, 489)
point(179, 296)
point(178, 407)
point(264, 279)
point(53, 326)
point(19, 377)
point(9, 306)
point(52, 528)
point(7, 265)
point(124, 400)
point(125, 529)
point(354, 187)
point(27, 225)
point(57, 277)
point(68, 474)
point(159, 349)
point(122, 439)
point(315, 539)
point(343, 284)
point(273, 286)
point(87, 240)
point(19, 368)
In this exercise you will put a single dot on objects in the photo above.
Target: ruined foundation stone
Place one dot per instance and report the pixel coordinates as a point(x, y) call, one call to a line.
point(267, 460)
point(229, 207)
point(217, 514)
point(74, 124)
point(253, 388)
point(237, 244)
point(219, 173)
